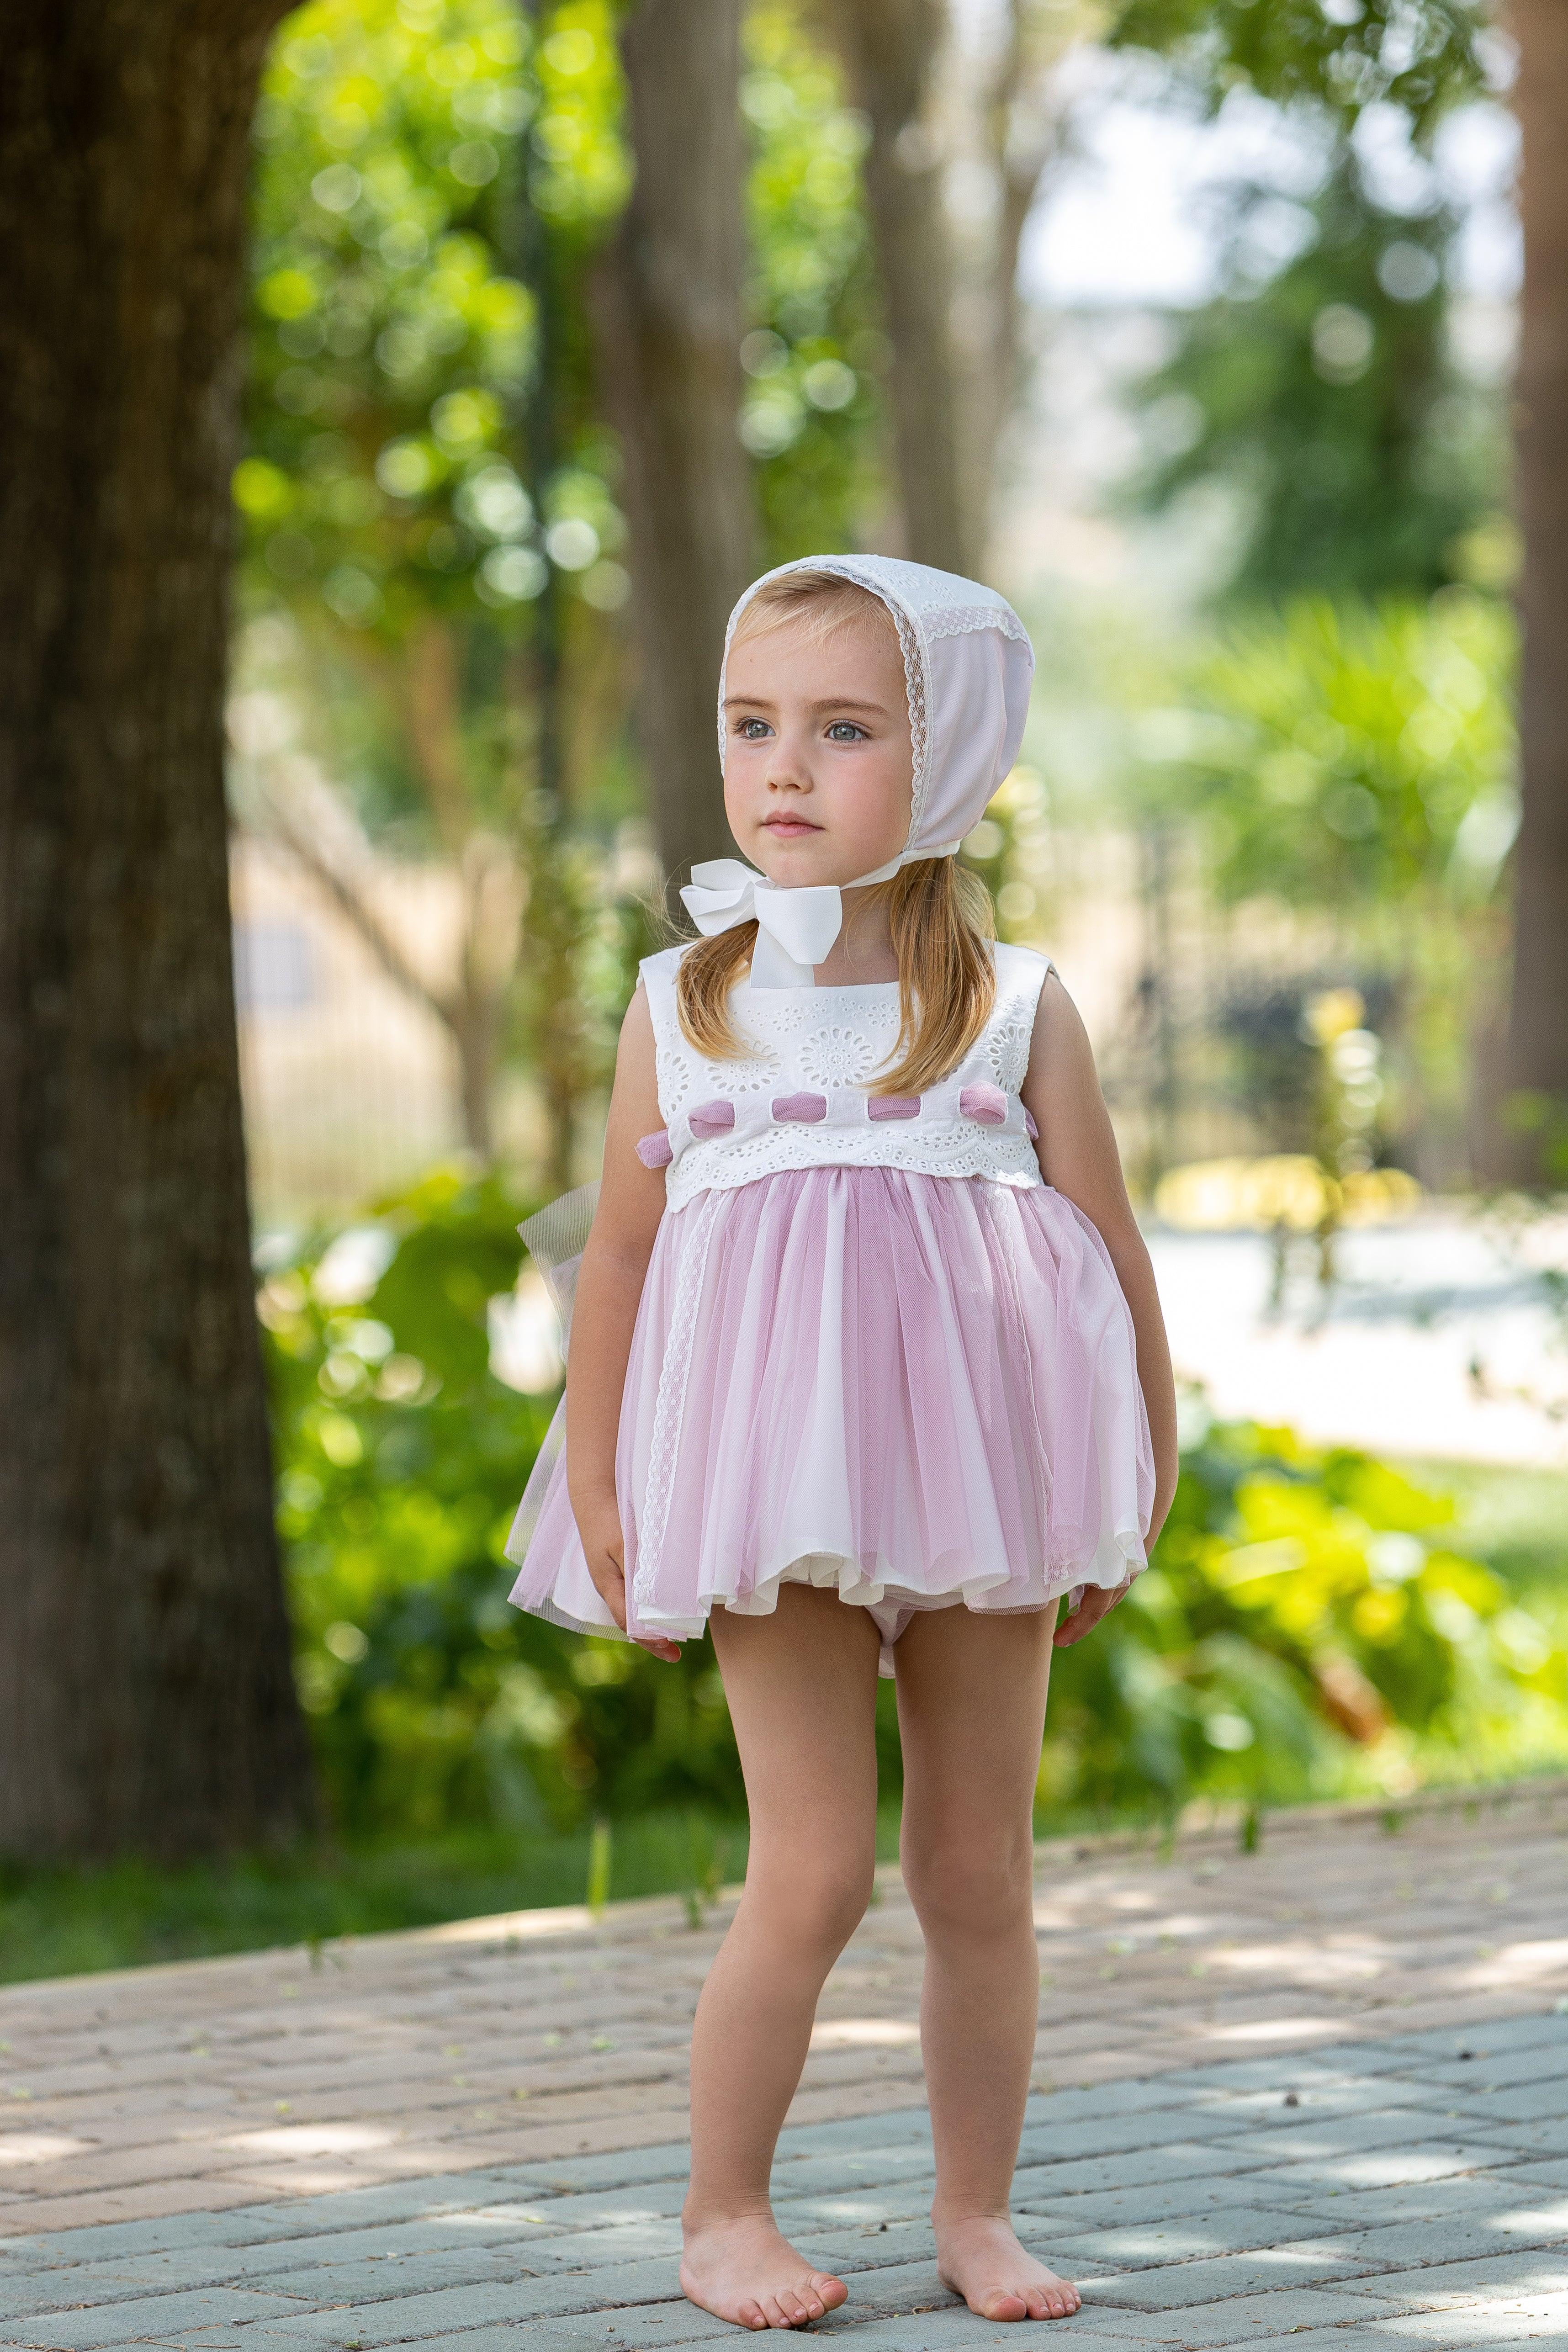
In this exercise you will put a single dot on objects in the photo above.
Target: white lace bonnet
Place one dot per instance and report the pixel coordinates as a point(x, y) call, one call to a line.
point(968, 665)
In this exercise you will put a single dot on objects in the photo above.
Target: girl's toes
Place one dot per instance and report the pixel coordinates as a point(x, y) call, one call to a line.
point(1043, 2303)
point(832, 2290)
point(751, 2314)
point(1000, 2305)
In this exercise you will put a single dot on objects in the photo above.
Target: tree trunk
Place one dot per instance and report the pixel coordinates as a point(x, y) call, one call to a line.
point(668, 300)
point(146, 1701)
point(1537, 1058)
point(890, 49)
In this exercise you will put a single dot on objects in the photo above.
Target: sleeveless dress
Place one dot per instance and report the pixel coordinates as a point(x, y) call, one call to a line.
point(875, 1350)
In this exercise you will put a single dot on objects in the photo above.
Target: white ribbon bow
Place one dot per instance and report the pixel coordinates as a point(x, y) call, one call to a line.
point(796, 929)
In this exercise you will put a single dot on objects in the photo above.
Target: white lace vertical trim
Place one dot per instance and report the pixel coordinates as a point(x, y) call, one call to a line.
point(670, 1406)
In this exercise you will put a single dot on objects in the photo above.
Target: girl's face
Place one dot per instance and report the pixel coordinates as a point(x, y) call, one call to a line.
point(817, 764)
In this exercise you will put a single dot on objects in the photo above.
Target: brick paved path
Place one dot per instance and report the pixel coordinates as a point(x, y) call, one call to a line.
point(1321, 2090)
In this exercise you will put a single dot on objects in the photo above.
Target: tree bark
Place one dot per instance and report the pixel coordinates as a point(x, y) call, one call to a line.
point(146, 1701)
point(668, 316)
point(890, 49)
point(1537, 1055)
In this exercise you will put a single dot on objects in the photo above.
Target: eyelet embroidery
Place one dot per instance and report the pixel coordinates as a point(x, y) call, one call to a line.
point(673, 1078)
point(1007, 1046)
point(838, 1057)
point(747, 1076)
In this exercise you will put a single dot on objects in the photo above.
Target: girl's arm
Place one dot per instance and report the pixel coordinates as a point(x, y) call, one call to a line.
point(605, 1312)
point(1078, 1155)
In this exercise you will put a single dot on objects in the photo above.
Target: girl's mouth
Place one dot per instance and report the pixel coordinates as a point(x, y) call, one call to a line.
point(789, 828)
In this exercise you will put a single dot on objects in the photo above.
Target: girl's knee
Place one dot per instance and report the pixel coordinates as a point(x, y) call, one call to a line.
point(971, 1885)
point(813, 1898)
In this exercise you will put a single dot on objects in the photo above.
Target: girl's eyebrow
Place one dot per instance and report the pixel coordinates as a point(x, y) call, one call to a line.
point(834, 702)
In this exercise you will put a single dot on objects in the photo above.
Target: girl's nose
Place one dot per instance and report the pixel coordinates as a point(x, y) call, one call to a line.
point(787, 772)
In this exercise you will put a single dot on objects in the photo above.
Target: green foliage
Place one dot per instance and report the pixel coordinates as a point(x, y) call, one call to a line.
point(1348, 756)
point(1420, 56)
point(815, 355)
point(400, 1460)
point(1323, 399)
point(429, 174)
point(393, 335)
point(1299, 1605)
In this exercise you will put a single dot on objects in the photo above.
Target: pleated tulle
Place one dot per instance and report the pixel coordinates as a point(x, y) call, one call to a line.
point(920, 1389)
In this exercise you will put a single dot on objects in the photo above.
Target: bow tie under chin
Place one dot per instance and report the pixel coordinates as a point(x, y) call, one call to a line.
point(796, 929)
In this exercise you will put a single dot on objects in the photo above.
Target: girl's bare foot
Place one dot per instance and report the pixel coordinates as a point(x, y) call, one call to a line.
point(744, 2269)
point(980, 2258)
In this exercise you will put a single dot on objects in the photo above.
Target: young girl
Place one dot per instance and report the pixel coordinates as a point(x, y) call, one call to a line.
point(867, 1365)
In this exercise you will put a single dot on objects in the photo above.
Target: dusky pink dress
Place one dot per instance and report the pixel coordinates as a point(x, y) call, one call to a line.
point(875, 1350)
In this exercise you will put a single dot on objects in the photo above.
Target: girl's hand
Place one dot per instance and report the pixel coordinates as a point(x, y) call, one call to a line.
point(603, 1546)
point(1097, 1602)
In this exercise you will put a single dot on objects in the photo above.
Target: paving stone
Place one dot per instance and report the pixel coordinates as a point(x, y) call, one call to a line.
point(855, 2208)
point(415, 2319)
point(1489, 2069)
point(1160, 2202)
point(615, 2168)
point(1216, 2234)
point(1457, 2197)
point(1399, 2245)
point(1133, 2168)
point(145, 2319)
point(1068, 2143)
point(1277, 2141)
point(810, 2176)
point(1505, 2271)
point(1426, 2335)
point(1543, 2140)
point(1307, 2262)
point(1249, 2318)
point(1383, 2168)
point(1500, 2326)
point(78, 2284)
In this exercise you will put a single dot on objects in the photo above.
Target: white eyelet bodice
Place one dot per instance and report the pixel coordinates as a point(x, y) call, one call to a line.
point(815, 1052)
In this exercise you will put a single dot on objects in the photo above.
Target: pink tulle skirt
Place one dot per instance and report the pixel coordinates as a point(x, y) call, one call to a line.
point(922, 1390)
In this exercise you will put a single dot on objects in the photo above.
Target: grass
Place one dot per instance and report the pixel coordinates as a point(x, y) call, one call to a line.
point(59, 1923)
point(63, 1922)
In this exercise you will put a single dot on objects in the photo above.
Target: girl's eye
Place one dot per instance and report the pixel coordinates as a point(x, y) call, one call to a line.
point(752, 730)
point(844, 731)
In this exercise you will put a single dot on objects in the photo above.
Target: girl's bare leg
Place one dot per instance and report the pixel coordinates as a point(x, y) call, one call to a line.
point(971, 1711)
point(802, 1688)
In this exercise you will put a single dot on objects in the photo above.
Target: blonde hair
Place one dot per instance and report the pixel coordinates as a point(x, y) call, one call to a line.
point(940, 916)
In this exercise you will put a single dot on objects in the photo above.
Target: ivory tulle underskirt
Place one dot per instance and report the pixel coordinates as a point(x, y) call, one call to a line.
point(921, 1389)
